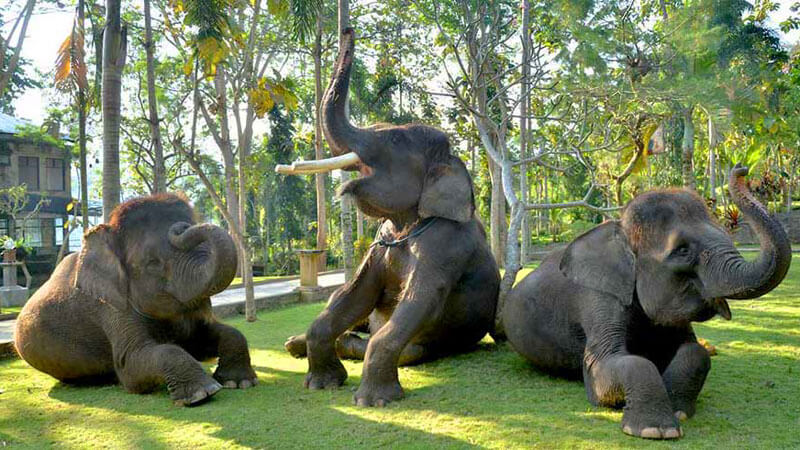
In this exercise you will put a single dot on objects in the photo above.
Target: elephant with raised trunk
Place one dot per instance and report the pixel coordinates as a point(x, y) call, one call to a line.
point(134, 305)
point(428, 285)
point(616, 306)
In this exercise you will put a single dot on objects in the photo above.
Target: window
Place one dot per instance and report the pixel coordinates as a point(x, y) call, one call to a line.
point(5, 159)
point(32, 232)
point(4, 227)
point(29, 172)
point(54, 174)
point(59, 230)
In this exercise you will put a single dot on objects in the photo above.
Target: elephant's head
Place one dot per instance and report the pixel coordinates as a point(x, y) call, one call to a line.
point(153, 258)
point(406, 169)
point(670, 254)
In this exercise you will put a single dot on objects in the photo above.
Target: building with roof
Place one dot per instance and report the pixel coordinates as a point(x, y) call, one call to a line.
point(41, 161)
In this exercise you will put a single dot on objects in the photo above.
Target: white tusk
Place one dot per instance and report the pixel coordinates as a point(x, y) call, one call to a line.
point(318, 165)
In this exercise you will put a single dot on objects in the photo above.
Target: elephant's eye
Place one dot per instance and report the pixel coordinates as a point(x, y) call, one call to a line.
point(682, 250)
point(681, 258)
point(153, 264)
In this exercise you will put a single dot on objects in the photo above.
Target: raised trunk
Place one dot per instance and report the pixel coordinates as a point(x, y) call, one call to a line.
point(212, 265)
point(341, 135)
point(727, 273)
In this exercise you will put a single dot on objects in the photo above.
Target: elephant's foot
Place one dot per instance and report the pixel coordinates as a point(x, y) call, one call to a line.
point(296, 346)
point(331, 376)
point(236, 377)
point(683, 409)
point(195, 393)
point(377, 394)
point(649, 426)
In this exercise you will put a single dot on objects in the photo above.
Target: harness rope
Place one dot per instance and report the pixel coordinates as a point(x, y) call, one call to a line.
point(418, 230)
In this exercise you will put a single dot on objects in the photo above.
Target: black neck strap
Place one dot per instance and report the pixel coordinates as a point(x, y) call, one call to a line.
point(418, 229)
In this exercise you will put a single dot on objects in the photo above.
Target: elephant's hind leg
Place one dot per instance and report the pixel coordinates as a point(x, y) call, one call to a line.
point(353, 346)
point(73, 353)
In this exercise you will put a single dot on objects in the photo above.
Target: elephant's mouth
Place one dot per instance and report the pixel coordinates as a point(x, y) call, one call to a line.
point(720, 305)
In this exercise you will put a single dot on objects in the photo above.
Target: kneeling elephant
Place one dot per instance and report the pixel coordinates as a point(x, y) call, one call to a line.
point(615, 307)
point(134, 305)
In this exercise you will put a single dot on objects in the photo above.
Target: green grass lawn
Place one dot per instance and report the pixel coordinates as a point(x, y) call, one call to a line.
point(488, 398)
point(256, 279)
point(10, 309)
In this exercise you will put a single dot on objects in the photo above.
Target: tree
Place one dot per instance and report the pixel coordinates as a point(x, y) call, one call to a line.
point(9, 68)
point(71, 76)
point(115, 47)
point(346, 208)
point(159, 173)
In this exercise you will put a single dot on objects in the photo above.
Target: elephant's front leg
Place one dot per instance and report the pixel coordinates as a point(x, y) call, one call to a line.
point(233, 367)
point(420, 304)
point(685, 376)
point(141, 368)
point(621, 377)
point(349, 305)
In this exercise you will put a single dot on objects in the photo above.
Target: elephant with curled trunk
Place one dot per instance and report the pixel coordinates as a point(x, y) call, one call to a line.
point(134, 306)
point(428, 285)
point(616, 306)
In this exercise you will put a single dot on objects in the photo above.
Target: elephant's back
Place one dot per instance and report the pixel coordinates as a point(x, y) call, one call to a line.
point(540, 322)
point(56, 333)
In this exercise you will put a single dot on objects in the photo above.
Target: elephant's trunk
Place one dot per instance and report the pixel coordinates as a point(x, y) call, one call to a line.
point(209, 260)
point(734, 277)
point(341, 135)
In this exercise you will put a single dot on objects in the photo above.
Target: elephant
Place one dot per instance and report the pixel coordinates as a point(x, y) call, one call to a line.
point(134, 306)
point(428, 285)
point(615, 306)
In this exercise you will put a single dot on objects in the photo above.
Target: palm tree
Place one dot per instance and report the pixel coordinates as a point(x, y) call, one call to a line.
point(115, 45)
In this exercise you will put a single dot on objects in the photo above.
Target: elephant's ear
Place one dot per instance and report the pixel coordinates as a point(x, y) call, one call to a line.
point(447, 191)
point(602, 259)
point(100, 272)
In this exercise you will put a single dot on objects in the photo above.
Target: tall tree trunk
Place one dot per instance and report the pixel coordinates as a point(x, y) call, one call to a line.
point(159, 173)
point(347, 220)
point(228, 159)
point(687, 149)
point(84, 176)
point(525, 237)
point(5, 75)
point(497, 213)
point(114, 53)
point(712, 161)
point(319, 179)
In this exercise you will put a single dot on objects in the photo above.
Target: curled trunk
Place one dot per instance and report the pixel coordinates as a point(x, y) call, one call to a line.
point(736, 278)
point(209, 262)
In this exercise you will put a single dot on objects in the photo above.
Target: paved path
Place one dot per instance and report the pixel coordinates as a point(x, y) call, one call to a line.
point(236, 295)
point(229, 298)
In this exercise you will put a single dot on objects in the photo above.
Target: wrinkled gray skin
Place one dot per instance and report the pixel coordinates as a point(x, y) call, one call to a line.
point(616, 306)
point(433, 295)
point(134, 306)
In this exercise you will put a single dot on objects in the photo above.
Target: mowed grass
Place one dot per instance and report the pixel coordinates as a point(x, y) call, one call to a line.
point(488, 398)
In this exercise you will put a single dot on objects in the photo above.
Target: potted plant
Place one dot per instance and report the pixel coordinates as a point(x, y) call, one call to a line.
point(13, 249)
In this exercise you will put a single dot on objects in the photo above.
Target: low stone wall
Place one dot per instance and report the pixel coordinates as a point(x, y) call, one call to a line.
point(274, 302)
point(790, 221)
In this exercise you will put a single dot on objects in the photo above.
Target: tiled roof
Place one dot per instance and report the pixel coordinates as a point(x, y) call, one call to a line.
point(10, 124)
